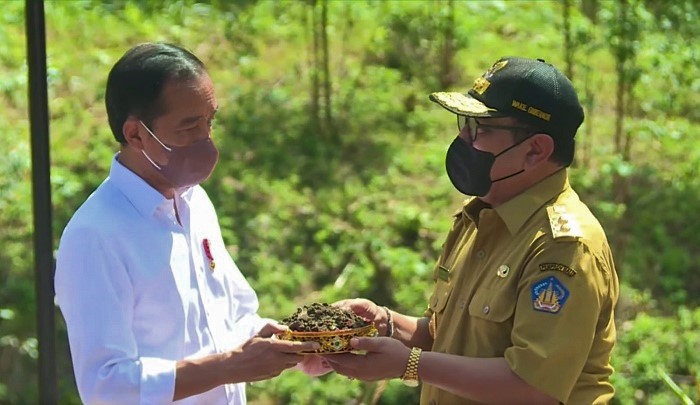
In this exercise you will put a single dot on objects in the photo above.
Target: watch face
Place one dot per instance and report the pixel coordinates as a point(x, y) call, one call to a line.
point(411, 383)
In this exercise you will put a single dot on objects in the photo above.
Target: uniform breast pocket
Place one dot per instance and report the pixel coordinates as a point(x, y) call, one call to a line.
point(493, 305)
point(440, 296)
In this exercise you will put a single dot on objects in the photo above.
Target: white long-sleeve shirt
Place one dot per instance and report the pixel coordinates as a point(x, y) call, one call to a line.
point(138, 292)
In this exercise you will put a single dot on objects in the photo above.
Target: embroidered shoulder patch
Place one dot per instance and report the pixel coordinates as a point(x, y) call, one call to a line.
point(549, 295)
point(558, 267)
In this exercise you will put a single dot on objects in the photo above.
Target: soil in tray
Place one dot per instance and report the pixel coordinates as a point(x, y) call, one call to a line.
point(321, 317)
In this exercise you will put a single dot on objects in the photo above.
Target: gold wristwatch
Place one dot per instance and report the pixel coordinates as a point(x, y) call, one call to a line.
point(410, 376)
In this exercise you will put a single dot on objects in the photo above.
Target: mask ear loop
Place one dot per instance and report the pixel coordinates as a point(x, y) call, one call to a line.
point(512, 146)
point(151, 160)
point(158, 140)
point(169, 149)
point(508, 176)
point(506, 150)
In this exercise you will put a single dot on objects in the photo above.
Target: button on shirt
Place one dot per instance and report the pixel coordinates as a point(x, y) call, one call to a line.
point(139, 292)
point(503, 268)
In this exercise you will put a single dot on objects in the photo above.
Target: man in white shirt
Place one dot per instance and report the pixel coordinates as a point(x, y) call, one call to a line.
point(155, 307)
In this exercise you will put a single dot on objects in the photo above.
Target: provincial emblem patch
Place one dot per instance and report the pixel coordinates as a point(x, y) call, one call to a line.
point(549, 295)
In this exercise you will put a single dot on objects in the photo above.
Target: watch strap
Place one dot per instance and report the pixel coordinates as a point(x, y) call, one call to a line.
point(410, 376)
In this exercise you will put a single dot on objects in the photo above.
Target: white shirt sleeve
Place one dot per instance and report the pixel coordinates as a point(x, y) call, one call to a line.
point(96, 297)
point(253, 323)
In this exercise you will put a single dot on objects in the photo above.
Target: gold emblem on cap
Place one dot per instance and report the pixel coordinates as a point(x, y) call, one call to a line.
point(480, 85)
point(495, 68)
point(503, 271)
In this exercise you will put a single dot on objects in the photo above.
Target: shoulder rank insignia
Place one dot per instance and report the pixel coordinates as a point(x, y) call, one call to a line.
point(558, 267)
point(549, 295)
point(563, 224)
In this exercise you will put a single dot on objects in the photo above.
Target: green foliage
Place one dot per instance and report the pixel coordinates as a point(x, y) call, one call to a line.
point(656, 243)
point(649, 347)
point(362, 210)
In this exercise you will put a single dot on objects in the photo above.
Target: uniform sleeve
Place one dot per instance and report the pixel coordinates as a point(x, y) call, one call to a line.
point(560, 295)
point(96, 298)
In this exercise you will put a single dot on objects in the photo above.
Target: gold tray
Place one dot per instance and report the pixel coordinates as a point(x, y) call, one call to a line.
point(332, 342)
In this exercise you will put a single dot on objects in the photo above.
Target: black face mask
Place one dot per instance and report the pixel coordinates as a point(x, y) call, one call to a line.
point(469, 168)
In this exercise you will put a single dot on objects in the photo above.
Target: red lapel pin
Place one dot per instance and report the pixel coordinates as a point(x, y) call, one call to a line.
point(207, 251)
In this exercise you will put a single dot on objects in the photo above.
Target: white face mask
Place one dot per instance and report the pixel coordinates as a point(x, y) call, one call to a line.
point(187, 165)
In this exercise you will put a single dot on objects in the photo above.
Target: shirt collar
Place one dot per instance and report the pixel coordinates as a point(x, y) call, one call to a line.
point(472, 208)
point(516, 211)
point(142, 195)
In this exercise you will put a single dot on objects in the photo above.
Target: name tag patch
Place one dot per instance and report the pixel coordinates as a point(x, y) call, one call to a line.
point(558, 267)
point(549, 295)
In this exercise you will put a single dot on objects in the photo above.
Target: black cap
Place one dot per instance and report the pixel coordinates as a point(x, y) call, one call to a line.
point(531, 90)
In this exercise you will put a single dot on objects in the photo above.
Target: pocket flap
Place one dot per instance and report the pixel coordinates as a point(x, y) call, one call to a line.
point(440, 296)
point(495, 306)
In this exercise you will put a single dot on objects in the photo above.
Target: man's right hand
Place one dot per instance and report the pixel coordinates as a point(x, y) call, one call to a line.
point(367, 310)
point(260, 358)
point(264, 356)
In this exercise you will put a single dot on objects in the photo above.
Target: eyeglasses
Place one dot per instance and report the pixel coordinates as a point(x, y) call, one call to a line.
point(473, 127)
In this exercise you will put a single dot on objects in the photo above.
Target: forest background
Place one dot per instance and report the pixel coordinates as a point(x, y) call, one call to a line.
point(331, 182)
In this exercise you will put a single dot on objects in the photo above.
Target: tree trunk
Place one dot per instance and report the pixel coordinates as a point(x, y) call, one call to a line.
point(623, 53)
point(619, 105)
point(589, 8)
point(315, 86)
point(629, 109)
point(589, 103)
point(621, 58)
point(568, 46)
point(328, 125)
point(447, 75)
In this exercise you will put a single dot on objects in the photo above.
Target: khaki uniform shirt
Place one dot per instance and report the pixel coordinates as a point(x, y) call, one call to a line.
point(532, 281)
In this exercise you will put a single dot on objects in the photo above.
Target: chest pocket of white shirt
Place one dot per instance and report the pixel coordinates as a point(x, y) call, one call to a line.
point(493, 305)
point(440, 296)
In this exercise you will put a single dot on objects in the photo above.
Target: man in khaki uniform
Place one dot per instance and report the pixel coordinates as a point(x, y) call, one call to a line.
point(525, 287)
